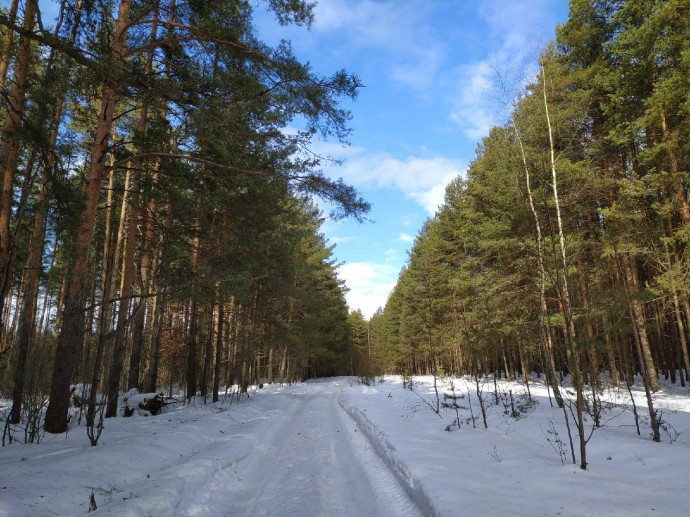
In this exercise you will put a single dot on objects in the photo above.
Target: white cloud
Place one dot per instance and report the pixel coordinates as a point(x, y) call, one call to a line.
point(520, 25)
point(404, 237)
point(517, 29)
point(471, 103)
point(375, 20)
point(370, 285)
point(419, 73)
point(393, 27)
point(341, 240)
point(422, 179)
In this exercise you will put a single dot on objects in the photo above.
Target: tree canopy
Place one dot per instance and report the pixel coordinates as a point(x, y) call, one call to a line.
point(157, 223)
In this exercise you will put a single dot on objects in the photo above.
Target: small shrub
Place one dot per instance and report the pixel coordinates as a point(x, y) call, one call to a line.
point(450, 401)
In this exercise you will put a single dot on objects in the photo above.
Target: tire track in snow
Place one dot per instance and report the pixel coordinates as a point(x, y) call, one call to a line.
point(386, 452)
point(383, 475)
point(316, 462)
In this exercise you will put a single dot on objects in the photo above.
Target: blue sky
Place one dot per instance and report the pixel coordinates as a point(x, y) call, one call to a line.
point(428, 67)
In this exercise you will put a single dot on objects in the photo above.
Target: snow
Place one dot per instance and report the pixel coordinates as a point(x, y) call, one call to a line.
point(334, 447)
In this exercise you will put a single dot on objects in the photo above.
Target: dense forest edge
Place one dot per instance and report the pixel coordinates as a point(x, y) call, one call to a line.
point(563, 251)
point(159, 225)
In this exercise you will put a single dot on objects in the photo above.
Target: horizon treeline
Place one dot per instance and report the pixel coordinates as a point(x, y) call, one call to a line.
point(563, 250)
point(157, 222)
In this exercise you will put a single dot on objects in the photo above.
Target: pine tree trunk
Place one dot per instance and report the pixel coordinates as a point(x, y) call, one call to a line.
point(191, 352)
point(506, 366)
point(654, 423)
point(208, 353)
point(192, 360)
point(158, 303)
point(46, 295)
point(126, 284)
point(72, 332)
point(282, 375)
point(117, 255)
point(142, 326)
point(27, 330)
point(524, 365)
point(7, 44)
point(6, 317)
point(126, 292)
point(269, 372)
point(138, 319)
point(9, 146)
point(545, 332)
point(27, 323)
point(685, 304)
point(565, 291)
point(614, 374)
point(219, 351)
point(89, 326)
point(288, 368)
point(138, 324)
point(154, 352)
point(639, 320)
point(60, 305)
point(104, 312)
point(149, 262)
point(591, 336)
point(681, 333)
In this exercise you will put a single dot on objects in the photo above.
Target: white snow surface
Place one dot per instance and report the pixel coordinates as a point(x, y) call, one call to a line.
point(334, 447)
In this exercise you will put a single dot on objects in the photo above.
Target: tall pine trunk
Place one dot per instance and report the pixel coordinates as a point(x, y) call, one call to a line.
point(158, 305)
point(640, 321)
point(571, 337)
point(126, 290)
point(9, 146)
point(545, 332)
point(7, 44)
point(139, 317)
point(72, 332)
point(220, 323)
point(192, 359)
point(27, 322)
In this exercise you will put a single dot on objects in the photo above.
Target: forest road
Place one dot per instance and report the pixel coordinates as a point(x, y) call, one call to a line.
point(314, 461)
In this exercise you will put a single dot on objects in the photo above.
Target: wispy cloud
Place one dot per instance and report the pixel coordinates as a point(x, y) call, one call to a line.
point(515, 24)
point(392, 255)
point(423, 180)
point(394, 28)
point(341, 240)
point(404, 237)
point(512, 32)
point(472, 111)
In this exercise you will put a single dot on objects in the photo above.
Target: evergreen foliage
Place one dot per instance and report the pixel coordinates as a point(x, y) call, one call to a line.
point(157, 224)
point(615, 145)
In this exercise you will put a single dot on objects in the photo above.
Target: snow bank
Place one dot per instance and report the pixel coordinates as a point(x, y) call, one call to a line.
point(386, 450)
point(159, 465)
point(184, 461)
point(514, 467)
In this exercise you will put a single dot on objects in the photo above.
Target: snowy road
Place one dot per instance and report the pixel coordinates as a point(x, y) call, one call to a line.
point(313, 462)
point(286, 451)
point(294, 451)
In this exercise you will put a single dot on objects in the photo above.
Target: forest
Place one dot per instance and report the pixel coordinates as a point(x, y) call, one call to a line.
point(563, 250)
point(161, 210)
point(159, 224)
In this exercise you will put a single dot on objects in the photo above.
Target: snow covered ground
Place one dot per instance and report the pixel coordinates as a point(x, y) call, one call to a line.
point(335, 447)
